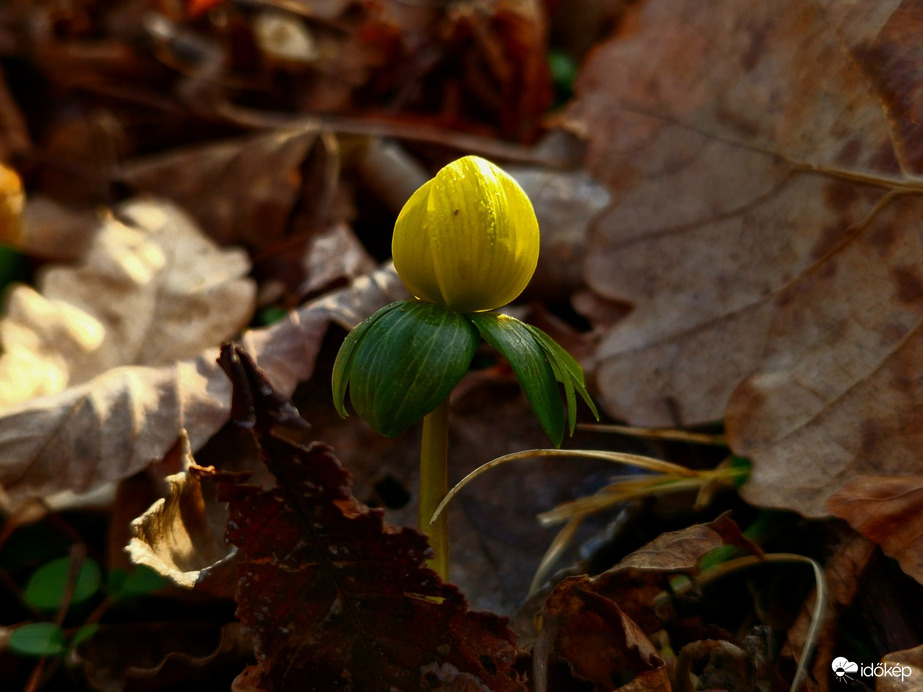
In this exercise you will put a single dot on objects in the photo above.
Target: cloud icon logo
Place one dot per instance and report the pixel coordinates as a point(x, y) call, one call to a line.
point(841, 666)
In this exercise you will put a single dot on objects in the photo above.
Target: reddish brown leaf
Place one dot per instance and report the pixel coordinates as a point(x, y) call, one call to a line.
point(601, 643)
point(335, 598)
point(889, 511)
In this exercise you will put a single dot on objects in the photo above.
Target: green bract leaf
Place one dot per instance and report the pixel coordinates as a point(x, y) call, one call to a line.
point(344, 361)
point(404, 363)
point(38, 639)
point(532, 367)
point(568, 372)
point(47, 584)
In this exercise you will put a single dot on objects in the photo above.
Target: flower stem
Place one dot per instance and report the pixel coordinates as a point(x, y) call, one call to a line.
point(434, 484)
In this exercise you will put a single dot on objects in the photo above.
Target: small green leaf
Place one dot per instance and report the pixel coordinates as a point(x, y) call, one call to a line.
point(528, 359)
point(38, 639)
point(344, 361)
point(405, 363)
point(46, 586)
point(83, 633)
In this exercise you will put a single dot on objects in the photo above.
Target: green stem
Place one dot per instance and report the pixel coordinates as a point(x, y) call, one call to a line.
point(434, 484)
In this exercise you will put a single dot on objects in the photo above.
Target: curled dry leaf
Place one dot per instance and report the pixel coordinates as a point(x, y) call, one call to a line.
point(334, 598)
point(889, 511)
point(121, 421)
point(765, 230)
point(601, 643)
point(176, 536)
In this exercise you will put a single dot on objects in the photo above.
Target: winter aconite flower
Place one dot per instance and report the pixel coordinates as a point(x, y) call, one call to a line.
point(468, 239)
point(465, 243)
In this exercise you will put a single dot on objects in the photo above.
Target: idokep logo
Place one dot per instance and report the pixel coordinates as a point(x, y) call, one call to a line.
point(842, 667)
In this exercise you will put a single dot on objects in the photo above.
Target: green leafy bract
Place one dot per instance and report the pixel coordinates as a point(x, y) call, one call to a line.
point(403, 362)
point(532, 367)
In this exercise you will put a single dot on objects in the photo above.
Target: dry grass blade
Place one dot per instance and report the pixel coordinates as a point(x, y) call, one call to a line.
point(655, 465)
point(620, 491)
point(658, 434)
point(555, 550)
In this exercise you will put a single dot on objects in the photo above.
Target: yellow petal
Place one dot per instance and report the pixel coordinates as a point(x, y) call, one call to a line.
point(467, 239)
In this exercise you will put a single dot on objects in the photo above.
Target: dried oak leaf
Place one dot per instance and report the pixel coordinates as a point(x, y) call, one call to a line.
point(766, 230)
point(889, 511)
point(599, 625)
point(151, 290)
point(123, 420)
point(336, 599)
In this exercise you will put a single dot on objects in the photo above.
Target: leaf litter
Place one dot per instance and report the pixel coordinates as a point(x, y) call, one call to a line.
point(758, 236)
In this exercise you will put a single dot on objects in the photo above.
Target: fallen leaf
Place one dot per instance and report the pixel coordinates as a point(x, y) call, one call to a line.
point(241, 190)
point(889, 511)
point(334, 598)
point(764, 230)
point(503, 44)
point(177, 536)
point(123, 420)
point(150, 291)
point(601, 644)
point(910, 678)
point(603, 641)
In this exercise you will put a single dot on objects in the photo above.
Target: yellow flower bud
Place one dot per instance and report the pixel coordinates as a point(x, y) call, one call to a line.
point(467, 239)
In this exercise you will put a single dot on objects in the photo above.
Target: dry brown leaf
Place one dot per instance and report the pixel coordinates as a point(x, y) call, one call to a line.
point(239, 190)
point(178, 539)
point(108, 428)
point(151, 290)
point(911, 675)
point(889, 511)
point(763, 224)
point(121, 421)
